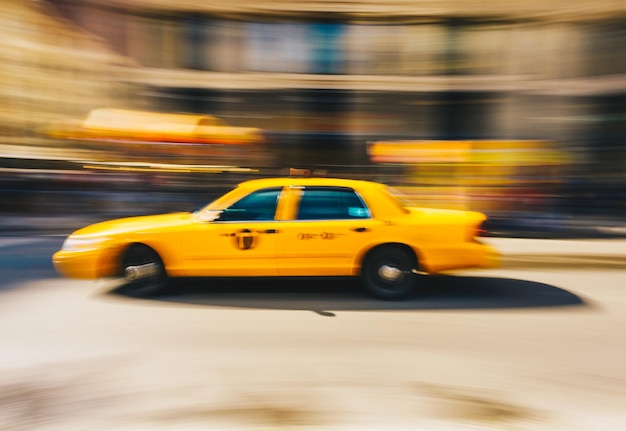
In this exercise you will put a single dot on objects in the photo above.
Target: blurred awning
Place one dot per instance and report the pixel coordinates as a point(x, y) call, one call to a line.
point(126, 126)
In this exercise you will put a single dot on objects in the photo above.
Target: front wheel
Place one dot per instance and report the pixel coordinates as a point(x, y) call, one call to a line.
point(143, 271)
point(387, 273)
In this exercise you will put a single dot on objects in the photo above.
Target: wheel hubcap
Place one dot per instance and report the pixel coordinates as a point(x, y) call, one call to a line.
point(136, 272)
point(389, 273)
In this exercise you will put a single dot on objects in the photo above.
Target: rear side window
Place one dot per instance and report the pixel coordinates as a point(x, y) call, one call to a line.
point(331, 203)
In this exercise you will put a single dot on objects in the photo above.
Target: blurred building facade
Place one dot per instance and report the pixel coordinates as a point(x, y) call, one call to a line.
point(549, 70)
point(50, 70)
point(324, 78)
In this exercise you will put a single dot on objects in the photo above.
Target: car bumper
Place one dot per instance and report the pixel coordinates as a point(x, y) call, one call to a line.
point(491, 258)
point(467, 255)
point(85, 264)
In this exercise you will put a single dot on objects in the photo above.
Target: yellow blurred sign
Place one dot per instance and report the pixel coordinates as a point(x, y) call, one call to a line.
point(481, 152)
point(419, 151)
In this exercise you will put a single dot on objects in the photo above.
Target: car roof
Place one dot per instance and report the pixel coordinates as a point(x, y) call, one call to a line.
point(314, 181)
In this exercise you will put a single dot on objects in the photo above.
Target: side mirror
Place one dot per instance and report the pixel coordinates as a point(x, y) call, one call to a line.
point(209, 215)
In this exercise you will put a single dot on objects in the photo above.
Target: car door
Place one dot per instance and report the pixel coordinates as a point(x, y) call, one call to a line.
point(241, 242)
point(327, 229)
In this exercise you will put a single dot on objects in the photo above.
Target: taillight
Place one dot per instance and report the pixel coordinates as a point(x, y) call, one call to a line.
point(481, 229)
point(476, 231)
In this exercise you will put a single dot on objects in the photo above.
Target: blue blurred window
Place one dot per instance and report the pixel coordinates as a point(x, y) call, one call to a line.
point(331, 203)
point(196, 38)
point(327, 55)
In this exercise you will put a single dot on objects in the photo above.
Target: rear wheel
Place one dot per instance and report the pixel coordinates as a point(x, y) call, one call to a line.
point(143, 271)
point(387, 273)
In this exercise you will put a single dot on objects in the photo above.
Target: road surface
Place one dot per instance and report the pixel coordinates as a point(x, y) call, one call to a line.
point(529, 346)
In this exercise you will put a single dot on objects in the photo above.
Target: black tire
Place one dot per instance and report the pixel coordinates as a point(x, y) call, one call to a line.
point(147, 285)
point(387, 273)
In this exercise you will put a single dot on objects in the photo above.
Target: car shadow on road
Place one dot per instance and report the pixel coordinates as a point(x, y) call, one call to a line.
point(324, 295)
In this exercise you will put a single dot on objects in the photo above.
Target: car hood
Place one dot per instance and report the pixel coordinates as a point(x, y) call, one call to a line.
point(135, 224)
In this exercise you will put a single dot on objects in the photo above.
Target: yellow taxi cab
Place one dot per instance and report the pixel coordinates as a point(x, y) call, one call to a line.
point(284, 227)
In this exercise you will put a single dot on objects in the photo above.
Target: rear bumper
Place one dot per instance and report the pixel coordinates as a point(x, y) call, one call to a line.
point(460, 256)
point(491, 258)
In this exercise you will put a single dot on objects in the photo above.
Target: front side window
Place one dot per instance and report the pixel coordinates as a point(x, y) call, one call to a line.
point(258, 205)
point(331, 203)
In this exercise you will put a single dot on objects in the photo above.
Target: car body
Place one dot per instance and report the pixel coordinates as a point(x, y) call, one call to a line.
point(284, 227)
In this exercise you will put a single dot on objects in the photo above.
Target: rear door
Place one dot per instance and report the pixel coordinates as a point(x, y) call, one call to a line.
point(324, 233)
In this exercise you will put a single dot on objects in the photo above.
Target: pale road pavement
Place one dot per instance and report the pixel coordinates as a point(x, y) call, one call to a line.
point(519, 348)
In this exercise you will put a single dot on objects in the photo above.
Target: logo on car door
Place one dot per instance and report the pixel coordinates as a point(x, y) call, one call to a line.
point(245, 239)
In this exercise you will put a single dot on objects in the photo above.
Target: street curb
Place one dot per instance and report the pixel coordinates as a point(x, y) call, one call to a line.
point(581, 262)
point(518, 253)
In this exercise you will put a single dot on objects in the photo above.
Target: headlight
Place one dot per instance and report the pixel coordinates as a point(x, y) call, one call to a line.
point(82, 244)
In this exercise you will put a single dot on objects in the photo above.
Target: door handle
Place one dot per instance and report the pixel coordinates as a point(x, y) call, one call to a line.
point(270, 231)
point(360, 229)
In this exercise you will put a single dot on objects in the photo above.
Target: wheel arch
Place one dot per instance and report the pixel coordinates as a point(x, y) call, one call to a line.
point(363, 255)
point(168, 247)
point(130, 244)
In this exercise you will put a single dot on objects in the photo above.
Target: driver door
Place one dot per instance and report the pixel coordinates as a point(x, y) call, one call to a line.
point(241, 242)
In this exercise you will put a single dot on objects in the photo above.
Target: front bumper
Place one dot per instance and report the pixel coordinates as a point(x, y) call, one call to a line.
point(86, 264)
